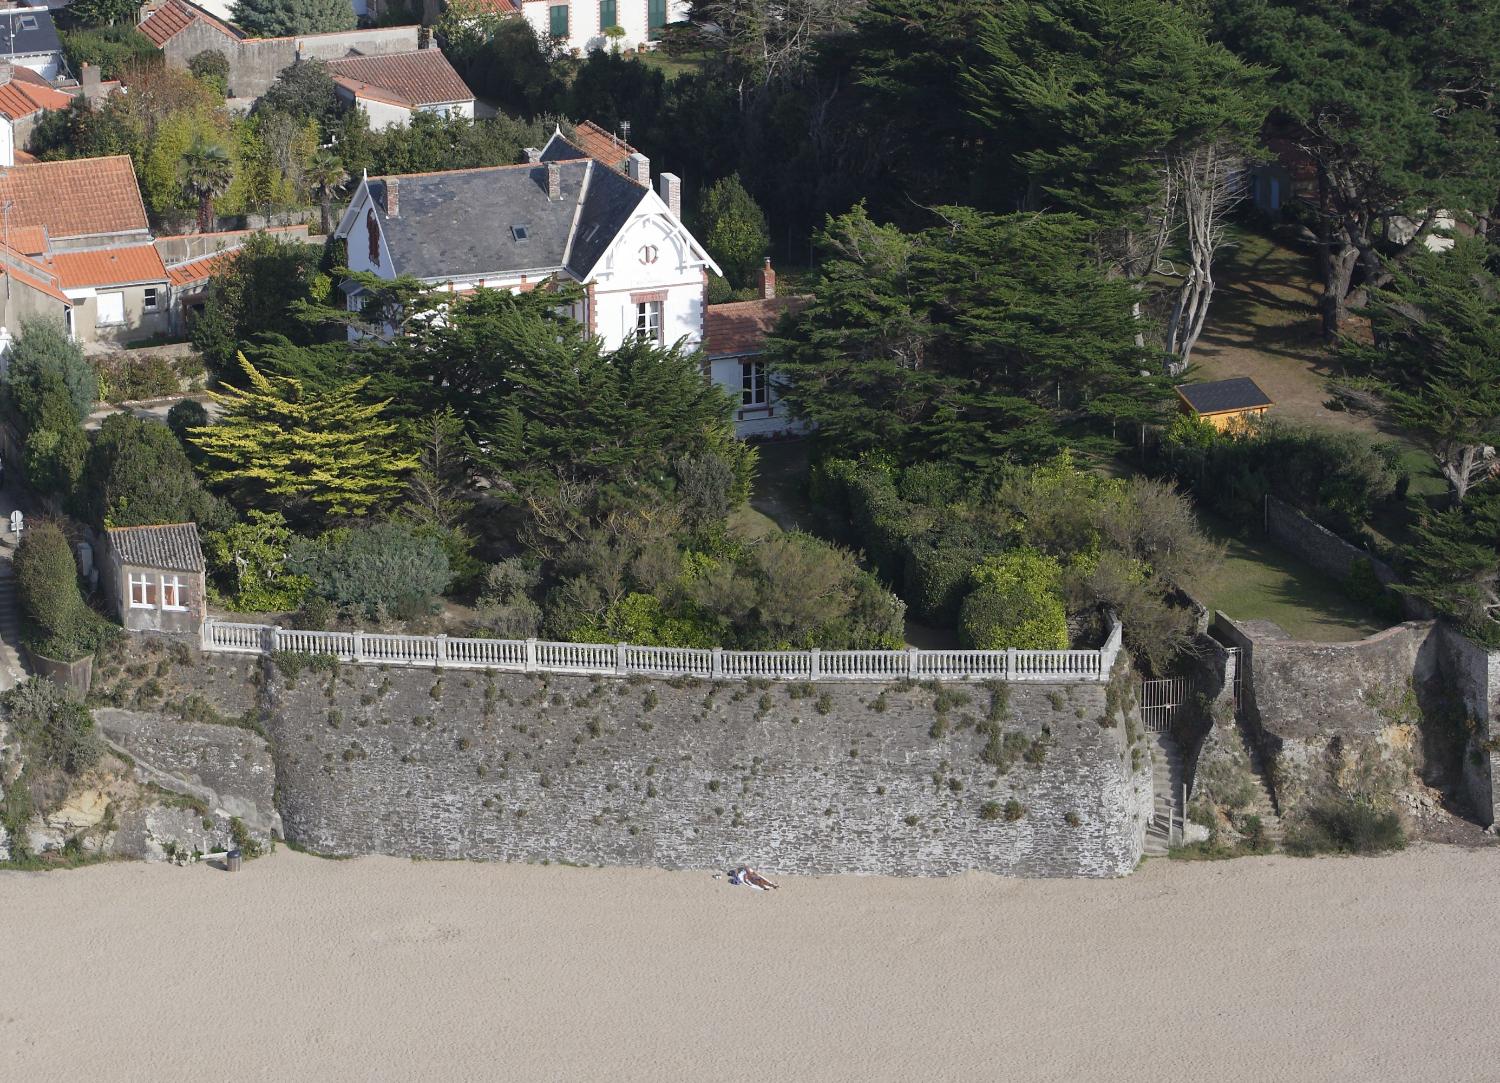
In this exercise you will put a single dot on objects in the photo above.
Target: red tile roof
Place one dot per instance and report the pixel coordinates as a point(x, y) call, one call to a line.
point(31, 272)
point(76, 198)
point(20, 98)
point(201, 269)
point(29, 239)
point(601, 146)
point(740, 327)
point(108, 266)
point(495, 7)
point(423, 77)
point(175, 16)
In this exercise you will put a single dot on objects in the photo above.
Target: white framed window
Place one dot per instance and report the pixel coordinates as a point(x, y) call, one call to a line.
point(171, 593)
point(109, 309)
point(648, 321)
point(152, 299)
point(754, 391)
point(142, 592)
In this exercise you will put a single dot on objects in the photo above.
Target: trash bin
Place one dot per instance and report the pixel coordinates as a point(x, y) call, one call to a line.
point(232, 860)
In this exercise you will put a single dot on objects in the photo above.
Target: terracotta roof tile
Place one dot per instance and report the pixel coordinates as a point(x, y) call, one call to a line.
point(108, 266)
point(32, 272)
point(601, 145)
point(496, 7)
point(201, 269)
point(175, 16)
point(174, 547)
point(29, 239)
point(423, 77)
point(76, 198)
point(741, 327)
point(22, 98)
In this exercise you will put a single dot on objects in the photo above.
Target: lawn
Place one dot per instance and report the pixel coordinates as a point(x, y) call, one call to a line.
point(1258, 581)
point(671, 66)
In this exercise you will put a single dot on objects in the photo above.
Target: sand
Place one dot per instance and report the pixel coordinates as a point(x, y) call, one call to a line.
point(298, 968)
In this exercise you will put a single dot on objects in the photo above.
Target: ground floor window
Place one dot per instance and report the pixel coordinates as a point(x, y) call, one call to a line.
point(607, 14)
point(753, 388)
point(558, 14)
point(648, 321)
point(142, 592)
point(171, 593)
point(109, 309)
point(152, 299)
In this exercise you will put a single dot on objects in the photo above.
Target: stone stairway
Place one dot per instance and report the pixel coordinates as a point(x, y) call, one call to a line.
point(1166, 789)
point(11, 670)
point(1262, 804)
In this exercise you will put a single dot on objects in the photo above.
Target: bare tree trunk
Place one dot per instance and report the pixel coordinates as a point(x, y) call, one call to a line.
point(1209, 180)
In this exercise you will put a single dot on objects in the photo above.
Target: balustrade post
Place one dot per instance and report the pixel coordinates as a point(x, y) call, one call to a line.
point(359, 646)
point(912, 654)
point(814, 663)
point(620, 658)
point(441, 649)
point(1010, 663)
point(205, 635)
point(530, 665)
point(274, 639)
point(716, 665)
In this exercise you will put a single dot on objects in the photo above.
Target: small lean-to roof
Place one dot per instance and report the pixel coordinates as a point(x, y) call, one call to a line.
point(421, 77)
point(131, 265)
point(739, 328)
point(78, 197)
point(32, 272)
point(1224, 396)
point(201, 269)
point(173, 17)
point(21, 98)
point(592, 140)
point(174, 547)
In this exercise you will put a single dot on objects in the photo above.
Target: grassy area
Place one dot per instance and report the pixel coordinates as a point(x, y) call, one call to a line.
point(671, 66)
point(778, 500)
point(1258, 581)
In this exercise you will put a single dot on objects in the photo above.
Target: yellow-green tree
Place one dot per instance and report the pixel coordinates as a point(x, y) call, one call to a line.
point(312, 453)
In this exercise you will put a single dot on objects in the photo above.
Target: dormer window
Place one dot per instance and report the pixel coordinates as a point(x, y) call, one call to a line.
point(520, 234)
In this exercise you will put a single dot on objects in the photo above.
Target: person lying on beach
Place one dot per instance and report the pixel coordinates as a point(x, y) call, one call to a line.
point(747, 875)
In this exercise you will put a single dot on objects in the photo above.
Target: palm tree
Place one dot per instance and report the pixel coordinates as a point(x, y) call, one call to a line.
point(207, 173)
point(325, 174)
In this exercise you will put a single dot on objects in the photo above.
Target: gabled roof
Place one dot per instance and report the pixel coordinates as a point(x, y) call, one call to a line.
point(739, 328)
point(21, 98)
point(1224, 396)
point(130, 265)
point(201, 269)
point(79, 197)
point(174, 547)
point(592, 140)
point(175, 16)
point(29, 239)
point(421, 77)
point(31, 272)
point(28, 31)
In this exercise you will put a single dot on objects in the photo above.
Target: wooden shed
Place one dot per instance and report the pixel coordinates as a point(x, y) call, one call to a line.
point(1224, 404)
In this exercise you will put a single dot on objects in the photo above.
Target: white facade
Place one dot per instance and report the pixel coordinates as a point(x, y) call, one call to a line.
point(586, 20)
point(382, 114)
point(759, 412)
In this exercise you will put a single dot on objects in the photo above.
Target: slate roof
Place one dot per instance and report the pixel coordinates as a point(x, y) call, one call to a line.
point(174, 548)
point(130, 265)
point(74, 198)
point(421, 77)
point(1224, 396)
point(175, 16)
point(739, 328)
point(461, 223)
point(28, 32)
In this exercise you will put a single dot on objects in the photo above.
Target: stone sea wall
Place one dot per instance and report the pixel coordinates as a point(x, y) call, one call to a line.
point(912, 780)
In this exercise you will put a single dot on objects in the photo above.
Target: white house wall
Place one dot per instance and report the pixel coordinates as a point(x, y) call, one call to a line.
point(651, 255)
point(753, 422)
point(584, 31)
point(7, 143)
point(382, 115)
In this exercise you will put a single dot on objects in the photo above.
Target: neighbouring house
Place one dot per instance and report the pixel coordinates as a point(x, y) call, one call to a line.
point(734, 337)
point(193, 259)
point(391, 87)
point(579, 25)
point(1224, 404)
point(561, 215)
point(153, 577)
point(24, 97)
point(29, 39)
point(29, 290)
point(84, 221)
point(182, 30)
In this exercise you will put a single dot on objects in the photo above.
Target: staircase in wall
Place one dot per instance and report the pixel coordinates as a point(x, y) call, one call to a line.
point(1262, 804)
point(1165, 828)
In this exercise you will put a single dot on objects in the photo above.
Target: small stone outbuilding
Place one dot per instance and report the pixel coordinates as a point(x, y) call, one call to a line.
point(153, 576)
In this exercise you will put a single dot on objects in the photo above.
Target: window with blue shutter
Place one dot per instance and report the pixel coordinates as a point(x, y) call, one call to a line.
point(607, 14)
point(559, 14)
point(656, 16)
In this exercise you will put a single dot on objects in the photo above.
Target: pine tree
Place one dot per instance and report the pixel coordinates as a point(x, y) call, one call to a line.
point(310, 452)
point(734, 229)
point(285, 18)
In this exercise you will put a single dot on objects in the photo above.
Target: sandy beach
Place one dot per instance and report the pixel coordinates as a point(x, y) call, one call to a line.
point(302, 968)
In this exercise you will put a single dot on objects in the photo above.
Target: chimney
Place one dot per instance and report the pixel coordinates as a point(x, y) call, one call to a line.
point(554, 182)
point(5, 71)
point(767, 280)
point(89, 79)
point(393, 197)
point(671, 193)
point(533, 155)
point(638, 169)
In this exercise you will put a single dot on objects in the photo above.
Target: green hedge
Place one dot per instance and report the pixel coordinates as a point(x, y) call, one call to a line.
point(1015, 603)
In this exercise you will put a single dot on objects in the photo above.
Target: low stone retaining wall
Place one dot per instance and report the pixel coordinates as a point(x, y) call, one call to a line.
point(1331, 554)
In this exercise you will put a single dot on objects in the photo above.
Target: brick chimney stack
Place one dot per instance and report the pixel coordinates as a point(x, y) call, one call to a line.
point(554, 182)
point(6, 71)
point(670, 185)
point(89, 79)
point(768, 280)
point(534, 155)
point(638, 169)
point(393, 198)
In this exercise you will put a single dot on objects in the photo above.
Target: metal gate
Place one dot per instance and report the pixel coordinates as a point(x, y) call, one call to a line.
point(1237, 662)
point(1161, 702)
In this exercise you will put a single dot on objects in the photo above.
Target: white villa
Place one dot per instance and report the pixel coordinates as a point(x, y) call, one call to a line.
point(579, 25)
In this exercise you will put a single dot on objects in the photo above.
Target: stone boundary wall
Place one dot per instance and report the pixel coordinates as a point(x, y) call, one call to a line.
point(1475, 674)
point(1326, 551)
point(691, 774)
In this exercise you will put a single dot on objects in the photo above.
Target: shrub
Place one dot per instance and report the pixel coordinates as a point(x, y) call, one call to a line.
point(52, 725)
point(249, 564)
point(44, 358)
point(137, 474)
point(379, 569)
point(1345, 825)
point(55, 621)
point(1015, 603)
point(126, 377)
point(990, 810)
point(212, 67)
point(1014, 810)
point(185, 415)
